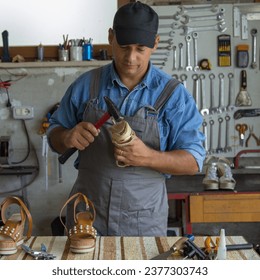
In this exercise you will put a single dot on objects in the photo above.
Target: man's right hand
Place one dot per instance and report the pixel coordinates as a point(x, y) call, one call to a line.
point(81, 136)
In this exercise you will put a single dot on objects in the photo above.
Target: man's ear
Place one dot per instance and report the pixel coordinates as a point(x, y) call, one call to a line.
point(157, 40)
point(110, 35)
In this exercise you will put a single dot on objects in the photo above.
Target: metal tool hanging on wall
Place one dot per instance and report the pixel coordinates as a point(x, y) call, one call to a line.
point(243, 97)
point(6, 56)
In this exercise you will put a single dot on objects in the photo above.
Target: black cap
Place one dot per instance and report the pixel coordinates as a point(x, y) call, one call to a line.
point(136, 23)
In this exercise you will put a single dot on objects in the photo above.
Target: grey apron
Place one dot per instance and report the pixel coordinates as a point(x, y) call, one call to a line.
point(130, 201)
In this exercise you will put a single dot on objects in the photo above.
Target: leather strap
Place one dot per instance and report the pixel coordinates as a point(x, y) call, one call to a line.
point(25, 213)
point(80, 197)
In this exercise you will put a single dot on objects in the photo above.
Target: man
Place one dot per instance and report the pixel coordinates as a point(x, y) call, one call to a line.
point(131, 200)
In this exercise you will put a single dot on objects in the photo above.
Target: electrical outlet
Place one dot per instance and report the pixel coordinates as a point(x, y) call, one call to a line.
point(23, 112)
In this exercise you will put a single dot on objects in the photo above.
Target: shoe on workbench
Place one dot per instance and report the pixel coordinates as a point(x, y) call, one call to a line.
point(211, 180)
point(82, 236)
point(12, 232)
point(226, 180)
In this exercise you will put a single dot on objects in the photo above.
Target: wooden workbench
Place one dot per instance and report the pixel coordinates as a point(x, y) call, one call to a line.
point(123, 248)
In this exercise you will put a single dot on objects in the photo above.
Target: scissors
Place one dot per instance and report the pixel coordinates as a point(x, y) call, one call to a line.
point(241, 128)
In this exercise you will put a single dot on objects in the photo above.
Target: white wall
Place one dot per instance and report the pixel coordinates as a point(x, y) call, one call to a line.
point(30, 22)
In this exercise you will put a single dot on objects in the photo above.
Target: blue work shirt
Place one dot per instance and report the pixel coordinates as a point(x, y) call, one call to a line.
point(178, 120)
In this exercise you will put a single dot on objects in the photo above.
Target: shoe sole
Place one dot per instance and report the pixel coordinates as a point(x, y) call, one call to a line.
point(227, 186)
point(11, 251)
point(81, 250)
point(211, 186)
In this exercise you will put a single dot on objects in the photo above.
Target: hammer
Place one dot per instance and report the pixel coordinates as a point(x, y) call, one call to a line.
point(112, 111)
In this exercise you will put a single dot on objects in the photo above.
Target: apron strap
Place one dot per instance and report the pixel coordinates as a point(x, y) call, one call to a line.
point(166, 93)
point(162, 99)
point(94, 84)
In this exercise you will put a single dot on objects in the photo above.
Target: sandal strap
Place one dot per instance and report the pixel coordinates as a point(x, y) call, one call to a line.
point(83, 229)
point(80, 197)
point(10, 232)
point(25, 213)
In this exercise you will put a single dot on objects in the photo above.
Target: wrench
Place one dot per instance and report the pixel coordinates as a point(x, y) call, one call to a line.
point(254, 33)
point(173, 25)
point(183, 78)
point(195, 78)
point(159, 63)
point(175, 76)
point(230, 107)
point(161, 53)
point(195, 41)
point(170, 34)
point(216, 27)
point(218, 17)
point(203, 110)
point(188, 39)
point(227, 146)
point(169, 41)
point(159, 59)
point(212, 8)
point(174, 58)
point(181, 66)
point(165, 48)
point(213, 108)
point(205, 143)
point(211, 150)
point(219, 148)
point(221, 107)
point(174, 16)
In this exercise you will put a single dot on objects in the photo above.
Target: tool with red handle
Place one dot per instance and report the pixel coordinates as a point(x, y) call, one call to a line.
point(112, 111)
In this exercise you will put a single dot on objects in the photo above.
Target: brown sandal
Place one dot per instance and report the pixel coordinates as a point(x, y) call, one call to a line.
point(82, 236)
point(11, 233)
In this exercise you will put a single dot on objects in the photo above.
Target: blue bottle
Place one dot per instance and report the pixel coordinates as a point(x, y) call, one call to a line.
point(87, 52)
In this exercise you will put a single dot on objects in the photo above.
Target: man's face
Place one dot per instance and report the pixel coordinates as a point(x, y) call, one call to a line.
point(130, 60)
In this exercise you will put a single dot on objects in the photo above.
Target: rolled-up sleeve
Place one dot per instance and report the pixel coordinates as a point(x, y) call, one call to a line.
point(180, 126)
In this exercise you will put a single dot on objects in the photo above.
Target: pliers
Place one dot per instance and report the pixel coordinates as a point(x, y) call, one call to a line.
point(38, 255)
point(211, 248)
point(251, 134)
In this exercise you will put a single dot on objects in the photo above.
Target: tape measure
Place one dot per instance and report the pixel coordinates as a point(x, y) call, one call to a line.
point(205, 64)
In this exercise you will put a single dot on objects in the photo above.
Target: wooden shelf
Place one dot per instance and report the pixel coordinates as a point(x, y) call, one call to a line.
point(53, 64)
point(29, 53)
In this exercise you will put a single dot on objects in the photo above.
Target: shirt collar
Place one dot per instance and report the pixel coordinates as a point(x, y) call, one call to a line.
point(150, 80)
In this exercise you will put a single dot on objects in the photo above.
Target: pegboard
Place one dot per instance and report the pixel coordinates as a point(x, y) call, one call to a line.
point(212, 75)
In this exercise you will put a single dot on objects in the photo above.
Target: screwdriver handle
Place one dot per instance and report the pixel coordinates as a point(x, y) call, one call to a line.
point(67, 154)
point(239, 246)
